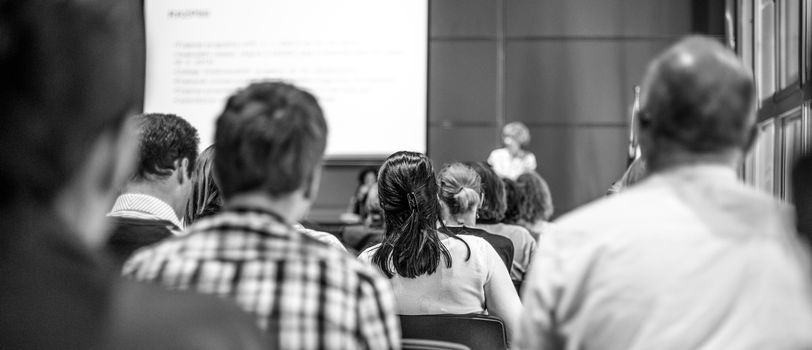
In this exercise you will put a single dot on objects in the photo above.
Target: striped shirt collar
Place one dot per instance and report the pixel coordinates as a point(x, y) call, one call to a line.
point(137, 205)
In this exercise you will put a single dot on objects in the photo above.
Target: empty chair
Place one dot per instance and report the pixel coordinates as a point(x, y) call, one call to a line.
point(475, 331)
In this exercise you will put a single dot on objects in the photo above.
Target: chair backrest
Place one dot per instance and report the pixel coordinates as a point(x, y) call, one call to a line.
point(425, 344)
point(473, 330)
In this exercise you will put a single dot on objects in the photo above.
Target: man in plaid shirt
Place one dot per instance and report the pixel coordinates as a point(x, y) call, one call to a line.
point(307, 295)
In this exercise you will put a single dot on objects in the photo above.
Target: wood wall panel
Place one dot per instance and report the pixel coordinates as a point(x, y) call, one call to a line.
point(462, 81)
point(597, 18)
point(462, 143)
point(462, 18)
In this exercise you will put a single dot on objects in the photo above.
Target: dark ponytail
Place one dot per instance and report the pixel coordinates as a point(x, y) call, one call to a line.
point(408, 196)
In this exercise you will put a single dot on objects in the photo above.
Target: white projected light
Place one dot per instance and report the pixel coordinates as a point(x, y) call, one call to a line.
point(365, 60)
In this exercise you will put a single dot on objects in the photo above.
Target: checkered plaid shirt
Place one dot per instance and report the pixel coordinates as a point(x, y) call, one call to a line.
point(305, 294)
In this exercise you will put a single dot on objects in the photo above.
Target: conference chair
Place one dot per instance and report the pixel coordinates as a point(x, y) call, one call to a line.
point(425, 344)
point(478, 332)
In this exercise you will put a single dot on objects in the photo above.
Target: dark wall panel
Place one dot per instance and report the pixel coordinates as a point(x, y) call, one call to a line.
point(574, 81)
point(579, 163)
point(597, 18)
point(462, 143)
point(462, 18)
point(462, 81)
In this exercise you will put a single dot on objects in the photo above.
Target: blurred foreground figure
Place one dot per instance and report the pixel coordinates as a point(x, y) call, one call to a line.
point(689, 258)
point(157, 193)
point(70, 76)
point(305, 294)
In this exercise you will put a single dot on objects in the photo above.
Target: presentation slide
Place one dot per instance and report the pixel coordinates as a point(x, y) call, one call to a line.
point(365, 60)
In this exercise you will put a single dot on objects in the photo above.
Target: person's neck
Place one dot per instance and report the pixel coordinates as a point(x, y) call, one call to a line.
point(466, 219)
point(289, 207)
point(669, 160)
point(161, 190)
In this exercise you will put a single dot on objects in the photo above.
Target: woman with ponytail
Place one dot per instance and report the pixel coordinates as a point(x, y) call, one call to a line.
point(433, 271)
point(460, 197)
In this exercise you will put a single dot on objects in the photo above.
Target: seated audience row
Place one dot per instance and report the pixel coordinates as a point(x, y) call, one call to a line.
point(687, 258)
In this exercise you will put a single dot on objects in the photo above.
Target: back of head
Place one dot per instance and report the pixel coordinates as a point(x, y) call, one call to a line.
point(460, 188)
point(69, 71)
point(697, 97)
point(517, 131)
point(164, 140)
point(514, 198)
point(205, 199)
point(408, 197)
point(537, 203)
point(493, 207)
point(270, 137)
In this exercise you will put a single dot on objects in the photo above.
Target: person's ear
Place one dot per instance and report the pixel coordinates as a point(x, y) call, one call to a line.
point(312, 184)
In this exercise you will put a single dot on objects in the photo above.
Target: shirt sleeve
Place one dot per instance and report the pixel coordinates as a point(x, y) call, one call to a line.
point(530, 162)
point(540, 294)
point(379, 325)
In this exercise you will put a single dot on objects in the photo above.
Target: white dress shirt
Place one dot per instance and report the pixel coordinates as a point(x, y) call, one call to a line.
point(143, 206)
point(687, 259)
point(506, 165)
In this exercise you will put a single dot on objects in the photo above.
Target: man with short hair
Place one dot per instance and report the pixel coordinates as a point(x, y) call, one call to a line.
point(156, 195)
point(307, 295)
point(689, 258)
point(69, 78)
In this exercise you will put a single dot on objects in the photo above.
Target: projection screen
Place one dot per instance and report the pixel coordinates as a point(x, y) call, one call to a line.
point(365, 60)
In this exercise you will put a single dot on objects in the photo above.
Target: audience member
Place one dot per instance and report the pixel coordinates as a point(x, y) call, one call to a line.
point(205, 199)
point(270, 141)
point(802, 196)
point(366, 180)
point(156, 195)
point(513, 202)
point(70, 77)
point(362, 236)
point(690, 257)
point(490, 216)
point(460, 197)
point(434, 272)
point(514, 159)
point(537, 204)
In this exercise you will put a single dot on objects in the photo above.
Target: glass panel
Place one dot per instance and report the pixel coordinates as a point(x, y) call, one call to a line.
point(745, 33)
point(789, 42)
point(759, 167)
point(791, 149)
point(765, 48)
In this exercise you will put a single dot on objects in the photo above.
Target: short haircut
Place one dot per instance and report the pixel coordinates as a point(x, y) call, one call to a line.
point(538, 201)
point(70, 71)
point(270, 137)
point(493, 207)
point(517, 131)
point(699, 96)
point(460, 187)
point(163, 140)
point(514, 197)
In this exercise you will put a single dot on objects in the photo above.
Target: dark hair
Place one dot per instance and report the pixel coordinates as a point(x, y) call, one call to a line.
point(537, 201)
point(460, 187)
point(163, 140)
point(205, 199)
point(271, 136)
point(514, 197)
point(493, 207)
point(704, 107)
point(411, 211)
point(70, 71)
point(364, 173)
